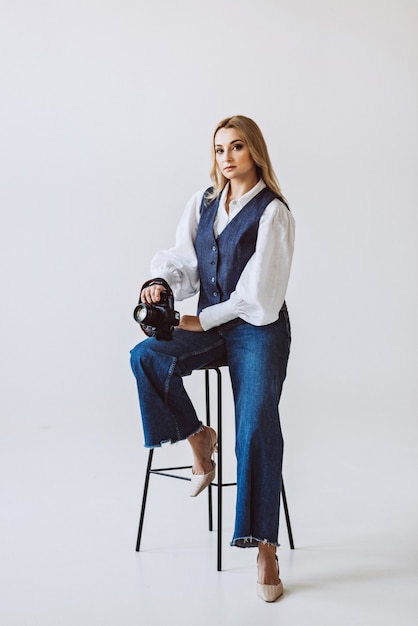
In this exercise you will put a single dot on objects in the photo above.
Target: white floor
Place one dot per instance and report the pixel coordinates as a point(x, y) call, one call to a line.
point(69, 510)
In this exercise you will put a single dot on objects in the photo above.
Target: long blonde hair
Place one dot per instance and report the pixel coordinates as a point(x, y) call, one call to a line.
point(253, 137)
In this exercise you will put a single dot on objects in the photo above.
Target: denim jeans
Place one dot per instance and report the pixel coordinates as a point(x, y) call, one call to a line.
point(257, 358)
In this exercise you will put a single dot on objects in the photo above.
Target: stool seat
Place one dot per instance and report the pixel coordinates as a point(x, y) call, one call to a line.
point(219, 484)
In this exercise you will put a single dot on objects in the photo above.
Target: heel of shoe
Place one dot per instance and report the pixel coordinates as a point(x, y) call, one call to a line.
point(270, 593)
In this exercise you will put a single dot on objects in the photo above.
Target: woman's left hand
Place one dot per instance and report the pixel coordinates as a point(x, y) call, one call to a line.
point(190, 322)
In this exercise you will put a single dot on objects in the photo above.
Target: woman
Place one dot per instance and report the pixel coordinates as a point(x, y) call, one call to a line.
point(234, 246)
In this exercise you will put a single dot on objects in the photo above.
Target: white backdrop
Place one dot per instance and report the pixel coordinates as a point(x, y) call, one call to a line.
point(107, 111)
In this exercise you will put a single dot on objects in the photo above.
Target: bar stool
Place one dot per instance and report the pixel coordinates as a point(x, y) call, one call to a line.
point(167, 471)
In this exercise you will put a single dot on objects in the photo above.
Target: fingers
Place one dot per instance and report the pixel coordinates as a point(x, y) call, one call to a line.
point(151, 294)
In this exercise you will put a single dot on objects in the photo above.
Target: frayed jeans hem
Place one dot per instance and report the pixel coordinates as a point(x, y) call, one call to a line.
point(251, 542)
point(165, 442)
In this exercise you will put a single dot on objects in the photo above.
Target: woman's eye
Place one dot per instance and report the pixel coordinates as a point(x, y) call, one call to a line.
point(218, 150)
point(238, 146)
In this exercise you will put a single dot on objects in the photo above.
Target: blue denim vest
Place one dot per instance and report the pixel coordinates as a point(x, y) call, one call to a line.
point(222, 260)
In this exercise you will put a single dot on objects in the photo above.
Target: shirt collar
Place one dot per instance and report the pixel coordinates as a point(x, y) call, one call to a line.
point(241, 202)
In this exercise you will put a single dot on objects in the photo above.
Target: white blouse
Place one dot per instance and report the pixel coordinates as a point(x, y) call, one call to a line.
point(261, 288)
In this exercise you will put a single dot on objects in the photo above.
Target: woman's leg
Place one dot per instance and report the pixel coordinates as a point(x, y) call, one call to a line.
point(159, 365)
point(257, 358)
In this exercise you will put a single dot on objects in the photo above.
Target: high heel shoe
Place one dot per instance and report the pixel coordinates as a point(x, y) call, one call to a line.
point(270, 593)
point(199, 482)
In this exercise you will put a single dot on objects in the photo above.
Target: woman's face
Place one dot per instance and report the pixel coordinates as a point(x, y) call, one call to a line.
point(233, 156)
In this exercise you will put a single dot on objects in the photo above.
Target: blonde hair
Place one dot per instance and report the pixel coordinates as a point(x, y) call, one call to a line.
point(253, 137)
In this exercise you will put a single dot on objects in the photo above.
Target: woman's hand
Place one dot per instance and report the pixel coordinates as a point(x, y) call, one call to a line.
point(190, 322)
point(151, 294)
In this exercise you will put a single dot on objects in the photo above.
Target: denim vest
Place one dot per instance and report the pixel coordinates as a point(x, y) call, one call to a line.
point(222, 260)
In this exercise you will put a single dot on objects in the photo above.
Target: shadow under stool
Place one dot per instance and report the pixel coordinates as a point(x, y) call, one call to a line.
point(219, 484)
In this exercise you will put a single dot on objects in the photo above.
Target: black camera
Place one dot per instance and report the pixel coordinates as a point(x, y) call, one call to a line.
point(158, 319)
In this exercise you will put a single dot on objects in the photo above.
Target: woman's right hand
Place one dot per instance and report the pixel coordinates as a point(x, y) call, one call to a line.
point(151, 294)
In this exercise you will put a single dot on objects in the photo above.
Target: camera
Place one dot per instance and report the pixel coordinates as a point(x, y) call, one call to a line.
point(159, 319)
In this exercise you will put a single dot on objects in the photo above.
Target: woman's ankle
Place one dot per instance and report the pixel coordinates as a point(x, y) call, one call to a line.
point(268, 570)
point(202, 444)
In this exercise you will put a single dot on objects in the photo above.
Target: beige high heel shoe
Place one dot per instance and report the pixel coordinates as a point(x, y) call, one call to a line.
point(270, 593)
point(199, 482)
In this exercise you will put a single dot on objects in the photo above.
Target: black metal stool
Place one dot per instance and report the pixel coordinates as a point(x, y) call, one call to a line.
point(167, 471)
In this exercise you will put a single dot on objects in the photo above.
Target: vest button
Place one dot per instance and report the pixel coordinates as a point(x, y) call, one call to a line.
point(214, 248)
point(215, 293)
point(212, 279)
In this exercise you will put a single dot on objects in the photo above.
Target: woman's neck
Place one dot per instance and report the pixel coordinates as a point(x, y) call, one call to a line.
point(238, 188)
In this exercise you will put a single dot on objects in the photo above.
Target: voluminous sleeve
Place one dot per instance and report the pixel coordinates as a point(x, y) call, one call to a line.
point(178, 265)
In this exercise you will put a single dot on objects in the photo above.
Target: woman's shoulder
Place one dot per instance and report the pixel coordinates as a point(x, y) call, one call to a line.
point(192, 210)
point(199, 200)
point(277, 214)
point(278, 205)
point(198, 196)
point(195, 200)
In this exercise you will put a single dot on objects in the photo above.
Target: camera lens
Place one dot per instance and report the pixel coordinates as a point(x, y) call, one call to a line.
point(140, 313)
point(151, 315)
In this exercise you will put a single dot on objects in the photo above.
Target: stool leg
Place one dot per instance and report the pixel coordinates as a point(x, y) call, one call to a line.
point(220, 477)
point(286, 512)
point(210, 508)
point(144, 499)
point(207, 401)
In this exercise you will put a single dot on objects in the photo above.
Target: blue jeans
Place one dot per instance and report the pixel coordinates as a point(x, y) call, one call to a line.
point(257, 358)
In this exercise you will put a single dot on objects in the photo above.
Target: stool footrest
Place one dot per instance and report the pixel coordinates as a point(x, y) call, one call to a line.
point(167, 475)
point(164, 471)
